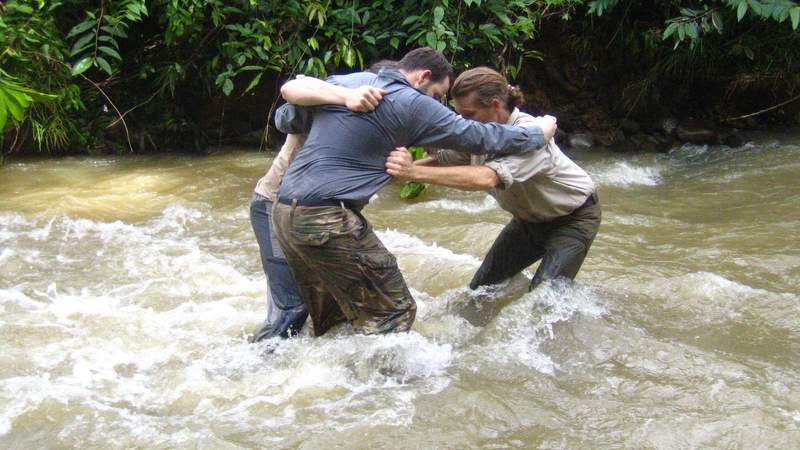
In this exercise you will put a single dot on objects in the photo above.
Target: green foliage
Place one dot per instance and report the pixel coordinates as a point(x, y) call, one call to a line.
point(160, 61)
point(680, 45)
point(15, 100)
point(412, 189)
point(95, 39)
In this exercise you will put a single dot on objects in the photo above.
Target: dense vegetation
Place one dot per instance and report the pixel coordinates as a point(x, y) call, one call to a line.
point(141, 75)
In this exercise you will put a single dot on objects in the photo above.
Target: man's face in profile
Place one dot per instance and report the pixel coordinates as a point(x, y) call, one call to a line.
point(436, 90)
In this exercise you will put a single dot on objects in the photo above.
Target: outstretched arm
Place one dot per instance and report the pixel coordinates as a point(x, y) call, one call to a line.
point(310, 91)
point(431, 124)
point(467, 178)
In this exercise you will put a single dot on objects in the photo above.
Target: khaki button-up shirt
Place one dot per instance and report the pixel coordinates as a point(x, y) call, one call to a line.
point(269, 183)
point(536, 186)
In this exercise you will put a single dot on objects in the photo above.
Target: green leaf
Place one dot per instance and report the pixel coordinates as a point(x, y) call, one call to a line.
point(794, 14)
point(116, 30)
point(670, 30)
point(81, 66)
point(81, 27)
point(716, 20)
point(110, 52)
point(430, 38)
point(13, 105)
point(741, 10)
point(438, 14)
point(3, 112)
point(369, 39)
point(503, 18)
point(417, 153)
point(409, 19)
point(109, 39)
point(103, 64)
point(394, 42)
point(691, 30)
point(412, 189)
point(227, 87)
point(253, 83)
point(82, 43)
point(350, 57)
point(25, 9)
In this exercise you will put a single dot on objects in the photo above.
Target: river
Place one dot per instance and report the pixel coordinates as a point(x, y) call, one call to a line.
point(128, 286)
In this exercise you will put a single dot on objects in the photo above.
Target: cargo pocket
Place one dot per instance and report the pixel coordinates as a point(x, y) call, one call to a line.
point(382, 275)
point(312, 239)
point(386, 303)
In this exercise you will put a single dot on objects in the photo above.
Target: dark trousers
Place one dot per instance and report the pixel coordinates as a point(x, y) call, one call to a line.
point(286, 310)
point(343, 270)
point(561, 244)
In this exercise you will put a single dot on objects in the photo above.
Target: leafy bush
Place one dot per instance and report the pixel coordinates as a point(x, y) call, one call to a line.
point(148, 67)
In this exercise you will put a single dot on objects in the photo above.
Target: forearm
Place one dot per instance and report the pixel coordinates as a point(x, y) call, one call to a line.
point(465, 178)
point(426, 162)
point(309, 91)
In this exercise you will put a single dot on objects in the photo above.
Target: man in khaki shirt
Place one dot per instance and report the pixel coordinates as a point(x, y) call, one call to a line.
point(553, 201)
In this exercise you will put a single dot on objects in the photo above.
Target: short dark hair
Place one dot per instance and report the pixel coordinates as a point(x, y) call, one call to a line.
point(426, 58)
point(377, 66)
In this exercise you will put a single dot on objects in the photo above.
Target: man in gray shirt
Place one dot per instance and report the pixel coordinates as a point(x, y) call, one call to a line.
point(342, 269)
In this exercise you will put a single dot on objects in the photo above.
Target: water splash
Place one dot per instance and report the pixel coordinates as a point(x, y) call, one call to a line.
point(488, 203)
point(625, 174)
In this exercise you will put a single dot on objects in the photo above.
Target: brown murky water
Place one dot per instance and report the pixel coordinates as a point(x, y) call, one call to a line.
point(127, 285)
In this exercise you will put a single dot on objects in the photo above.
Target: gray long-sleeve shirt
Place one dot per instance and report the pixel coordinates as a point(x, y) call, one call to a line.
point(344, 157)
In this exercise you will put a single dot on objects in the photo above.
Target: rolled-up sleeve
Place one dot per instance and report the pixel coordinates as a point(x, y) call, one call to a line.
point(451, 158)
point(293, 119)
point(430, 123)
point(520, 168)
point(504, 172)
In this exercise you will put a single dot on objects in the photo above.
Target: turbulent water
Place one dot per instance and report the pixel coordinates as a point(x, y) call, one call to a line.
point(128, 287)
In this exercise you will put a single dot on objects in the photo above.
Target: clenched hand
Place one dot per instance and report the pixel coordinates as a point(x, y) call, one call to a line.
point(400, 164)
point(364, 98)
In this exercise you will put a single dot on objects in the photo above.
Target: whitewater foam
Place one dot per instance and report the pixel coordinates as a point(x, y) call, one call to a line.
point(488, 203)
point(516, 335)
point(624, 174)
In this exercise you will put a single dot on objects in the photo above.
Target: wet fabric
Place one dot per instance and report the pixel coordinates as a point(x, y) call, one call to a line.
point(344, 157)
point(286, 311)
point(534, 186)
point(343, 270)
point(561, 244)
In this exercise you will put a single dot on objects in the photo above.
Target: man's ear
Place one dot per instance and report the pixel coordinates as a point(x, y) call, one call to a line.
point(497, 104)
point(424, 76)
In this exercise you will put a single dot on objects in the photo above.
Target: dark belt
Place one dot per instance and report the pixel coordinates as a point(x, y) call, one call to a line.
point(314, 202)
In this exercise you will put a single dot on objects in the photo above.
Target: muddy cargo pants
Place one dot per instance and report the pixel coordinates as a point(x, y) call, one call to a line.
point(343, 270)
